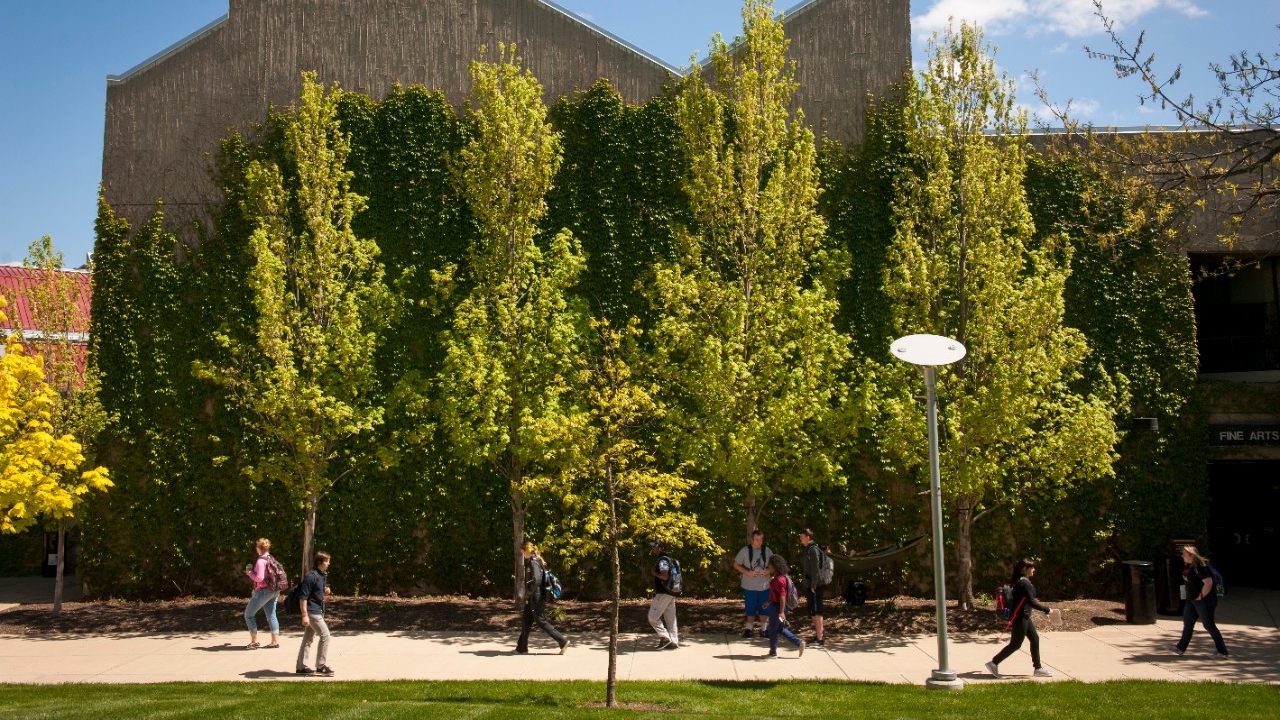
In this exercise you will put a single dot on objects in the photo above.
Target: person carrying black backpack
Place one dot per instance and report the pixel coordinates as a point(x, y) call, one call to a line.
point(817, 568)
point(535, 601)
point(662, 611)
point(311, 594)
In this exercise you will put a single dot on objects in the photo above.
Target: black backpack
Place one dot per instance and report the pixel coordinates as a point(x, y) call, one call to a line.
point(293, 598)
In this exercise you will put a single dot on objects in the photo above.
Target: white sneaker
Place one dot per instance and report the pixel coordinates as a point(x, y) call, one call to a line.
point(1043, 672)
point(1221, 656)
point(995, 671)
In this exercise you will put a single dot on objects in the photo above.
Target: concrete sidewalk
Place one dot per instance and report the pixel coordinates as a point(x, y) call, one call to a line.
point(1248, 619)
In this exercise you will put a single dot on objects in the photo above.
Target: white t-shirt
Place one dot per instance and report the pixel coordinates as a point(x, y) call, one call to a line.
point(749, 557)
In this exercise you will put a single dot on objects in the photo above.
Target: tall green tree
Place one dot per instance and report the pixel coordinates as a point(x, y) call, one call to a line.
point(510, 349)
point(321, 307)
point(614, 493)
point(56, 304)
point(962, 264)
point(745, 335)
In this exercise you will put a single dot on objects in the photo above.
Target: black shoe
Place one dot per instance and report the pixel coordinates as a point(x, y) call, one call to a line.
point(325, 670)
point(521, 651)
point(818, 642)
point(305, 671)
point(663, 644)
point(748, 633)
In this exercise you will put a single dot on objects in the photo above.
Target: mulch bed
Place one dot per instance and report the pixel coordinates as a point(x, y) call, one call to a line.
point(892, 616)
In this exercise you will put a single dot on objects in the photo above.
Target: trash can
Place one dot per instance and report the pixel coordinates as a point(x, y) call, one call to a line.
point(1139, 592)
point(1168, 582)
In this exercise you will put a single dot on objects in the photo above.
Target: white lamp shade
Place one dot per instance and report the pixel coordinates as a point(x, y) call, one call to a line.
point(934, 350)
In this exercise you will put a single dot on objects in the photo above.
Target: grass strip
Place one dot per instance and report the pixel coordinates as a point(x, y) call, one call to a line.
point(317, 698)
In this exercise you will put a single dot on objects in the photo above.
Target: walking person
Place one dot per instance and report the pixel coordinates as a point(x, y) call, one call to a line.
point(662, 611)
point(1024, 601)
point(812, 566)
point(1202, 600)
point(752, 564)
point(311, 594)
point(264, 597)
point(777, 607)
point(535, 601)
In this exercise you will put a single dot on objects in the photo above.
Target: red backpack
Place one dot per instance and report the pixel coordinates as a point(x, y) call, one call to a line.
point(276, 579)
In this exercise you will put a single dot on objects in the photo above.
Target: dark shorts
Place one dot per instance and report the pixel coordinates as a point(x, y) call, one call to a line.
point(815, 600)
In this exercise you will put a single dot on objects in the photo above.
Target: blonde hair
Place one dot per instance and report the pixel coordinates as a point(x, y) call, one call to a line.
point(1196, 557)
point(530, 548)
point(264, 545)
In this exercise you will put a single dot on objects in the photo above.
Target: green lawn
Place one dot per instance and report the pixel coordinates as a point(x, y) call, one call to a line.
point(318, 698)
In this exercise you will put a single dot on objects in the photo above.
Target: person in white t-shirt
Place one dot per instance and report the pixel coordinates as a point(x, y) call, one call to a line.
point(752, 563)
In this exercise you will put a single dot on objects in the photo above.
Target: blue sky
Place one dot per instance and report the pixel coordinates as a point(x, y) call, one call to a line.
point(56, 55)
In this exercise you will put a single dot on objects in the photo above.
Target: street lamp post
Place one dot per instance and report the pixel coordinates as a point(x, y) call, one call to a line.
point(929, 352)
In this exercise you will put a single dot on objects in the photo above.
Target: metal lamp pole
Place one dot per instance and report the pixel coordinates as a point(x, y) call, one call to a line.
point(929, 352)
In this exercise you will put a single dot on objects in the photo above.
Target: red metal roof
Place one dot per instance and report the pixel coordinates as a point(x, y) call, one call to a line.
point(16, 282)
point(15, 285)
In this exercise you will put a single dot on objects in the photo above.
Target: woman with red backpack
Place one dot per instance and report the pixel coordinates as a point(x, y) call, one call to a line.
point(1024, 601)
point(264, 596)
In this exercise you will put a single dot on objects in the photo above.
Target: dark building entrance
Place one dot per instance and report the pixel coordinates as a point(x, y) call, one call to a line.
point(1244, 512)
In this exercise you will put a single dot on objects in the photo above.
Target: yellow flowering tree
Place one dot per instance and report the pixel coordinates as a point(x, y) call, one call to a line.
point(38, 466)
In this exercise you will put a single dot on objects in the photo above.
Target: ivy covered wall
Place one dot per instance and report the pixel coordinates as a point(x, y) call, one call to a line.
point(184, 515)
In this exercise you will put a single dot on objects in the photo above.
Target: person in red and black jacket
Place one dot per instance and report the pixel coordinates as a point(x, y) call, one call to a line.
point(1024, 601)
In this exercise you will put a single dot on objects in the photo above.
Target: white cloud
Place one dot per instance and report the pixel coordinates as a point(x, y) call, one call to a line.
point(1073, 18)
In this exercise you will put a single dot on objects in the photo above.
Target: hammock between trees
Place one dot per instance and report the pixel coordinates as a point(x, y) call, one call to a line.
point(874, 559)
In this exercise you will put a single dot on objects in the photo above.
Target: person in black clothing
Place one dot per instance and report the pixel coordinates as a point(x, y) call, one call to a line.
point(311, 604)
point(1202, 600)
point(535, 601)
point(811, 563)
point(1024, 601)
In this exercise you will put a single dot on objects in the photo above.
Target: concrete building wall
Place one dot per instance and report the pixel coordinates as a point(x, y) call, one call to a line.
point(164, 119)
point(846, 50)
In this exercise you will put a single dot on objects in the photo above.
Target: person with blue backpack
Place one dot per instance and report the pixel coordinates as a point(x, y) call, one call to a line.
point(1024, 601)
point(1201, 591)
point(535, 601)
point(782, 594)
point(662, 610)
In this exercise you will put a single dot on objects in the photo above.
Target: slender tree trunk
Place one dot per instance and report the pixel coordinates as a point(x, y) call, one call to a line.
point(309, 532)
point(517, 527)
point(964, 555)
point(611, 685)
point(62, 561)
point(752, 513)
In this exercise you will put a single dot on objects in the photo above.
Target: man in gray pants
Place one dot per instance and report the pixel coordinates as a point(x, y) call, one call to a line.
point(311, 605)
point(662, 612)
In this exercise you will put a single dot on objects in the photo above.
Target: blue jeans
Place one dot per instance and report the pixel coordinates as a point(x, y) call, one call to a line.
point(264, 599)
point(776, 628)
point(1202, 609)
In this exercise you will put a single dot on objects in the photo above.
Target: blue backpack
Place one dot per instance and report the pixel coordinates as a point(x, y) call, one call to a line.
point(1217, 580)
point(551, 584)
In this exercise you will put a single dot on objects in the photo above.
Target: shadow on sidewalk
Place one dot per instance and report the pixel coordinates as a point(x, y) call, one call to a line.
point(269, 675)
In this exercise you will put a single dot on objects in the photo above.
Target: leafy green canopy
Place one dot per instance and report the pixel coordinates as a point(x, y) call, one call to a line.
point(962, 265)
point(746, 345)
point(508, 354)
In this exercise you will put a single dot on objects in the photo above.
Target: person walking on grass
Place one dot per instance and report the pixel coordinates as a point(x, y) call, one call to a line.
point(311, 595)
point(777, 607)
point(812, 565)
point(264, 597)
point(535, 601)
point(1202, 600)
point(662, 611)
point(1024, 601)
point(752, 564)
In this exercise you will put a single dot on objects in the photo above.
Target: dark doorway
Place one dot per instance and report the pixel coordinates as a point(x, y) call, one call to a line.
point(1244, 510)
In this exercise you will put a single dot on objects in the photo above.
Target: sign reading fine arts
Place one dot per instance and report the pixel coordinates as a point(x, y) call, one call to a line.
point(1227, 435)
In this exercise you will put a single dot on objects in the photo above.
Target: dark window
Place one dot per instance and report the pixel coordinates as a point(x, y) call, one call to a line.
point(1237, 317)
